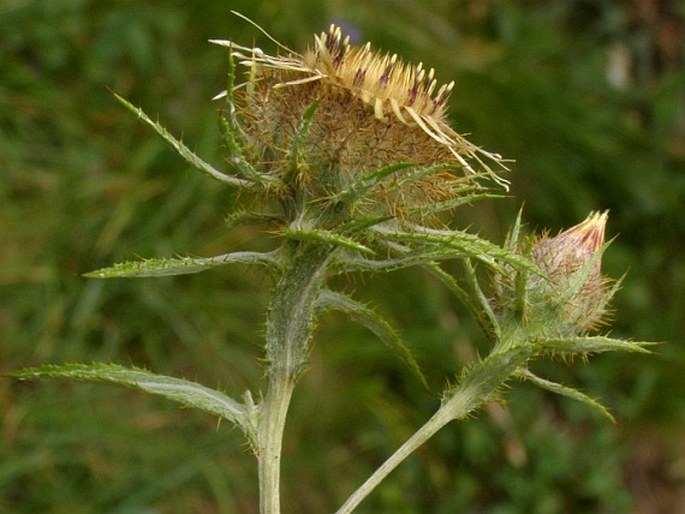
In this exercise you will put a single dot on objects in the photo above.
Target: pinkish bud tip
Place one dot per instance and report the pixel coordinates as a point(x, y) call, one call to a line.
point(561, 257)
point(572, 248)
point(589, 233)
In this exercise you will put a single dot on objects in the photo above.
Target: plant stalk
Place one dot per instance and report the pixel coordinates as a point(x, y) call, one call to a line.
point(289, 326)
point(272, 424)
point(423, 434)
point(475, 388)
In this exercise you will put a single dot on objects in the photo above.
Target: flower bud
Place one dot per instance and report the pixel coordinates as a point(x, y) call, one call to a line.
point(574, 289)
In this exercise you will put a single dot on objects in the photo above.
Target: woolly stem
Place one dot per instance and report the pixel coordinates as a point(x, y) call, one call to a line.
point(289, 326)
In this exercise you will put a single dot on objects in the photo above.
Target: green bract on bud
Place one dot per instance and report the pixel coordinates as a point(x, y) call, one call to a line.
point(332, 121)
point(573, 287)
point(567, 295)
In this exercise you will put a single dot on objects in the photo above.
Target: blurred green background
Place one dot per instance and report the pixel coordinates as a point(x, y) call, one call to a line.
point(588, 97)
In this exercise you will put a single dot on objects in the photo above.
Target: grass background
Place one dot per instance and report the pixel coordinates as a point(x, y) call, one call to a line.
point(587, 97)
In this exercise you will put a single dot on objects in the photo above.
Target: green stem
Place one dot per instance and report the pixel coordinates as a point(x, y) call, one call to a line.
point(270, 437)
point(477, 386)
point(289, 327)
point(435, 423)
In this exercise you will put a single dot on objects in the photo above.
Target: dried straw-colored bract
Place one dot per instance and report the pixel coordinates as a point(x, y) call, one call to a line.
point(371, 111)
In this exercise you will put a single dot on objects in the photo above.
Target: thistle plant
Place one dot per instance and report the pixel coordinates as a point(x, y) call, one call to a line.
point(345, 157)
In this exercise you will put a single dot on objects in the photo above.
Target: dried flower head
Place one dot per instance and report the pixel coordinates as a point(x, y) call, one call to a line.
point(371, 111)
point(576, 286)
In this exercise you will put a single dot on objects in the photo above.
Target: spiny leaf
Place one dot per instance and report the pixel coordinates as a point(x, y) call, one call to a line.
point(182, 391)
point(359, 224)
point(564, 391)
point(183, 150)
point(408, 256)
point(592, 344)
point(454, 203)
point(230, 131)
point(238, 160)
point(361, 187)
point(520, 287)
point(512, 241)
point(462, 244)
point(424, 171)
point(180, 265)
point(479, 382)
point(328, 237)
point(480, 309)
point(485, 304)
point(374, 322)
point(348, 263)
point(297, 154)
point(242, 217)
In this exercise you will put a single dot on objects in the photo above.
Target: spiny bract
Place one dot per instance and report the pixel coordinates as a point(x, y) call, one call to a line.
point(371, 111)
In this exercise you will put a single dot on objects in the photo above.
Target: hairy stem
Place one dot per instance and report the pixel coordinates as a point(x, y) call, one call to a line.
point(289, 326)
point(476, 387)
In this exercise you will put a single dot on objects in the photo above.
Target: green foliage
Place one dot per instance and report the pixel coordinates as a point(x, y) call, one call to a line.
point(330, 300)
point(180, 265)
point(184, 392)
point(182, 150)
